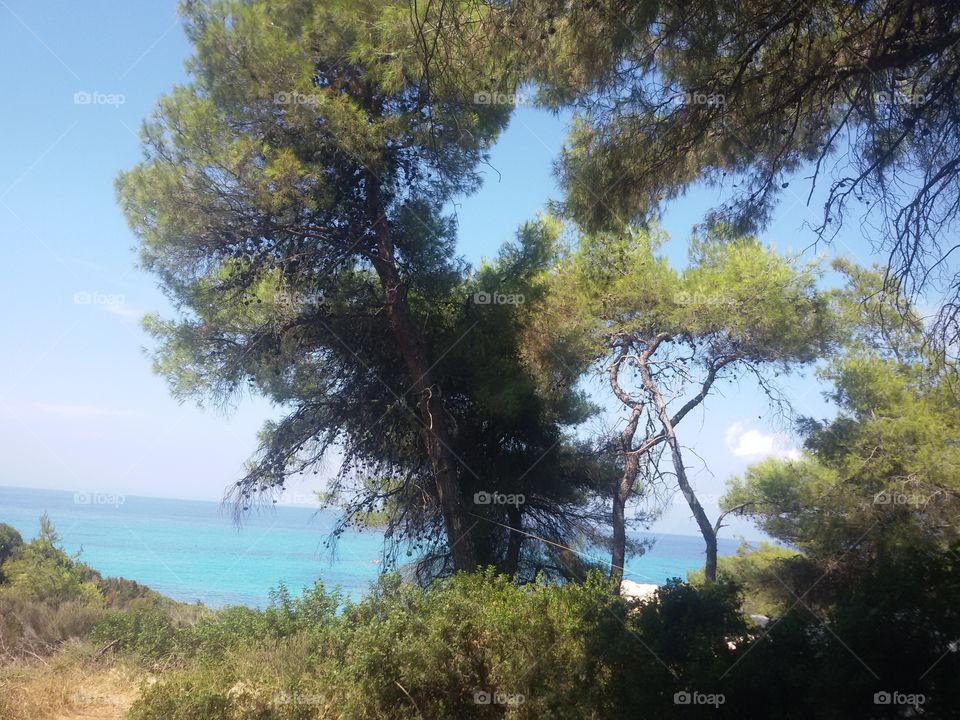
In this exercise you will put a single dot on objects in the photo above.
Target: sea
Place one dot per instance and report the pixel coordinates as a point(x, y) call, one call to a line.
point(193, 551)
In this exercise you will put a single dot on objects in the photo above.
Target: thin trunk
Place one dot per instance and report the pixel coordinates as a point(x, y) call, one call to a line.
point(515, 542)
point(706, 529)
point(433, 428)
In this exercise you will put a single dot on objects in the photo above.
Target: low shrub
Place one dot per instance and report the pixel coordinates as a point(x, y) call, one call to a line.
point(34, 627)
point(473, 646)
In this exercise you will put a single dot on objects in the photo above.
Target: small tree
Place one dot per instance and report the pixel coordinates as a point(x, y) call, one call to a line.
point(665, 337)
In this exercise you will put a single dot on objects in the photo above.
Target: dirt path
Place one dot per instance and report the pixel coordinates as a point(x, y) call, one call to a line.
point(104, 712)
point(112, 707)
point(105, 696)
point(68, 691)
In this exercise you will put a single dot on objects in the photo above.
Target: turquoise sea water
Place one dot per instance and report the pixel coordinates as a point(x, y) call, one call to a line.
point(191, 550)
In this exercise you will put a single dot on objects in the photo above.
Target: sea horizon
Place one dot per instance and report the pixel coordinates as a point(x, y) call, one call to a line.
point(192, 550)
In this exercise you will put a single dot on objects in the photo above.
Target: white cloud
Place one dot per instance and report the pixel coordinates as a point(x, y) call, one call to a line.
point(122, 310)
point(755, 444)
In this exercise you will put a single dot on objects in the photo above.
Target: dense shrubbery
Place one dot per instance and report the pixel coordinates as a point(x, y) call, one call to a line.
point(479, 645)
point(542, 651)
point(561, 651)
point(48, 597)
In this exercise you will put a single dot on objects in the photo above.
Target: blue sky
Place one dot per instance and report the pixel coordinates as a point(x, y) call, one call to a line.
point(79, 406)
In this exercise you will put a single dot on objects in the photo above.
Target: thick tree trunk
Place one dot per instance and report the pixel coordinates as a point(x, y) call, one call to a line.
point(432, 416)
point(631, 464)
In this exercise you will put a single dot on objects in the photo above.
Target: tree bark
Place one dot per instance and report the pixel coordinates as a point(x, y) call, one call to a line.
point(631, 465)
point(432, 416)
point(706, 529)
point(515, 542)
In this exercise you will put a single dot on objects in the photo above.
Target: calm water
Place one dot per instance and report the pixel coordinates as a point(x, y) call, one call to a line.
point(191, 550)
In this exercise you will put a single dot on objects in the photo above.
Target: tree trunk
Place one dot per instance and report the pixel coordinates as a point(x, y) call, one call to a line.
point(706, 529)
point(631, 464)
point(432, 416)
point(515, 542)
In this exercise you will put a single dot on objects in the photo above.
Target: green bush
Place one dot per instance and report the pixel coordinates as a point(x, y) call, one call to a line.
point(147, 632)
point(481, 646)
point(41, 571)
point(10, 543)
point(523, 651)
point(775, 575)
point(407, 652)
point(250, 682)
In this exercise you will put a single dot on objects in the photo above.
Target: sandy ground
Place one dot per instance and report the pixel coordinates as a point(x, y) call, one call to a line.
point(107, 698)
point(104, 712)
point(67, 692)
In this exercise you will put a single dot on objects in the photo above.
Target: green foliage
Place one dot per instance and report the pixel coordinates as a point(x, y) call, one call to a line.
point(742, 97)
point(10, 542)
point(46, 597)
point(293, 200)
point(40, 570)
point(883, 473)
point(891, 632)
point(543, 650)
point(157, 632)
point(688, 629)
point(734, 297)
point(50, 597)
point(147, 632)
point(759, 571)
point(664, 337)
point(124, 593)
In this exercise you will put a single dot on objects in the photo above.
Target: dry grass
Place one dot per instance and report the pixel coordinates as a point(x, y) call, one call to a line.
point(71, 685)
point(31, 628)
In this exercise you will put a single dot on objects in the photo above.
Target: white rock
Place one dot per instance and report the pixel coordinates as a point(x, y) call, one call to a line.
point(637, 591)
point(761, 621)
